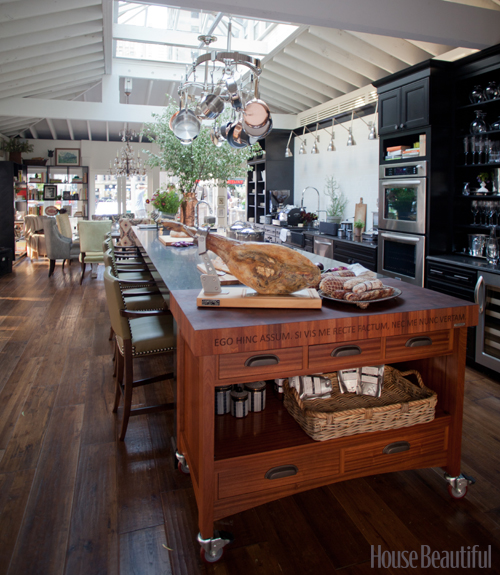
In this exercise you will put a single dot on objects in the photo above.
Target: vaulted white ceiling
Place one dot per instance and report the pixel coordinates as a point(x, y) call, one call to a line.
point(60, 79)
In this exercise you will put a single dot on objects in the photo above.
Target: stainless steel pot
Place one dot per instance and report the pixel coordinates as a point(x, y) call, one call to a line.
point(186, 126)
point(236, 227)
point(250, 234)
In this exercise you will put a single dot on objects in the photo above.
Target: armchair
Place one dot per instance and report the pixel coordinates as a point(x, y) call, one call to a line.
point(35, 238)
point(92, 234)
point(58, 246)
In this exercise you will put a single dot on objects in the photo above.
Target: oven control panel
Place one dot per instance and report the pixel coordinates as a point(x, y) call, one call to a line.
point(406, 170)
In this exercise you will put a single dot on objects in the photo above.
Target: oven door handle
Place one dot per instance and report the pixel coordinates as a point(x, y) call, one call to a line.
point(402, 239)
point(392, 183)
point(479, 292)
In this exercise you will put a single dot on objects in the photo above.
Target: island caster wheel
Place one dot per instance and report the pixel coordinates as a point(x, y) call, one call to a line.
point(458, 486)
point(207, 558)
point(455, 493)
point(212, 549)
point(182, 466)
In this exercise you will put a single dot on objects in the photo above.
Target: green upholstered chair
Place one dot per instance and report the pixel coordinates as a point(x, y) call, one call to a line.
point(92, 235)
point(138, 334)
point(58, 246)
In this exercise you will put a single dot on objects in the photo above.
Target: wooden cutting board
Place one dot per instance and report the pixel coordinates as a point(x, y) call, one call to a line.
point(226, 279)
point(360, 212)
point(169, 240)
point(246, 297)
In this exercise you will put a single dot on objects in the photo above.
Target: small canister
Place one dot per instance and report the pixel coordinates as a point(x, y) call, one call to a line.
point(222, 400)
point(239, 402)
point(257, 395)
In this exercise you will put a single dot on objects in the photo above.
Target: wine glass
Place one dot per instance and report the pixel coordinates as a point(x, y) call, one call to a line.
point(475, 211)
point(466, 149)
point(473, 149)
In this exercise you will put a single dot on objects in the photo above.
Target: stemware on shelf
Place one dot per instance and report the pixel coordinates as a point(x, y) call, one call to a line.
point(478, 125)
point(466, 189)
point(475, 211)
point(477, 95)
point(491, 91)
point(491, 247)
point(466, 149)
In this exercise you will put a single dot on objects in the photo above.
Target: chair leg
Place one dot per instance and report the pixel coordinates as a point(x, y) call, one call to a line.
point(63, 265)
point(118, 392)
point(129, 387)
point(111, 334)
point(52, 267)
point(84, 265)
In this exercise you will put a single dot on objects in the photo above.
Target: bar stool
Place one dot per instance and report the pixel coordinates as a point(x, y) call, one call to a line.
point(138, 334)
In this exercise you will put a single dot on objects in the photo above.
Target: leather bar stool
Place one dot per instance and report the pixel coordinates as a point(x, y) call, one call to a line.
point(138, 334)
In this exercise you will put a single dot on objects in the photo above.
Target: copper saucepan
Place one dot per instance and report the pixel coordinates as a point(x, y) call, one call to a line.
point(256, 112)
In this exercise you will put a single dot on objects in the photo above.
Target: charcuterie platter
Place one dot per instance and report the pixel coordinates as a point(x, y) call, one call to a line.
point(362, 304)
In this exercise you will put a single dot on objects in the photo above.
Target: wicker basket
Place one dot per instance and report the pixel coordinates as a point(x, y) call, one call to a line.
point(401, 404)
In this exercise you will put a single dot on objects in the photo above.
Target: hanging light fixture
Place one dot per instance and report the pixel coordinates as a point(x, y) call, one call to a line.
point(331, 145)
point(372, 135)
point(315, 149)
point(222, 86)
point(125, 163)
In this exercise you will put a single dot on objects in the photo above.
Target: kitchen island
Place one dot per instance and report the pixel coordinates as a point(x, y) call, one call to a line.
point(232, 461)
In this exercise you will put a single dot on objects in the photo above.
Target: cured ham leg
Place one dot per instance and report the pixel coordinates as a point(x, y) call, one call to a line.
point(266, 268)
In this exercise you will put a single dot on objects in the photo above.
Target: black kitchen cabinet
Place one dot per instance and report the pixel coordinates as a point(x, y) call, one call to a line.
point(404, 108)
point(12, 182)
point(351, 252)
point(272, 172)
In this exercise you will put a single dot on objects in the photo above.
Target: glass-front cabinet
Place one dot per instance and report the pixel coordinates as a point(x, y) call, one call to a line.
point(59, 186)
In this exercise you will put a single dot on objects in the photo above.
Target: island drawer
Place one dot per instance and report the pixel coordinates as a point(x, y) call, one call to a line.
point(403, 347)
point(260, 363)
point(332, 356)
point(276, 471)
point(406, 449)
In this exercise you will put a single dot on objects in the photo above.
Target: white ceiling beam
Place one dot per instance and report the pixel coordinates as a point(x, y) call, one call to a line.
point(89, 131)
point(45, 71)
point(148, 92)
point(296, 76)
point(185, 39)
point(33, 131)
point(107, 29)
point(275, 103)
point(50, 23)
point(337, 73)
point(49, 48)
point(40, 38)
point(286, 101)
point(427, 20)
point(73, 110)
point(294, 86)
point(28, 9)
point(405, 51)
point(52, 129)
point(107, 131)
point(432, 48)
point(385, 62)
point(15, 122)
point(27, 88)
point(149, 70)
point(293, 94)
point(347, 66)
point(70, 92)
point(70, 129)
point(307, 70)
point(33, 64)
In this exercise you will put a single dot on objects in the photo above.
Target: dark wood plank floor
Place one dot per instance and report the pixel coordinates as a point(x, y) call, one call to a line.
point(74, 500)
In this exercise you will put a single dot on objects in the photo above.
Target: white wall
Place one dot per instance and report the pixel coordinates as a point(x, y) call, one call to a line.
point(355, 168)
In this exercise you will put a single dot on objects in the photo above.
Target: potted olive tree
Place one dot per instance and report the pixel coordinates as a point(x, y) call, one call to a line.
point(196, 162)
point(337, 202)
point(16, 147)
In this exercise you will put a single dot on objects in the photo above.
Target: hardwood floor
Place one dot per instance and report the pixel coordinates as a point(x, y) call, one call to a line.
point(74, 500)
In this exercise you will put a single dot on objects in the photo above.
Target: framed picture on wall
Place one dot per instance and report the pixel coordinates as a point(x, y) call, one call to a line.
point(49, 192)
point(67, 157)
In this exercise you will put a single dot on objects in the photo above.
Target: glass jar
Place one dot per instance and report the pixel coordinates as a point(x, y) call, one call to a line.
point(491, 91)
point(492, 247)
point(478, 125)
point(477, 95)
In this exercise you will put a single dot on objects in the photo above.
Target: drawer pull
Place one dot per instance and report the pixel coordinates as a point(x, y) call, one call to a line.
point(396, 447)
point(418, 342)
point(346, 350)
point(258, 360)
point(281, 471)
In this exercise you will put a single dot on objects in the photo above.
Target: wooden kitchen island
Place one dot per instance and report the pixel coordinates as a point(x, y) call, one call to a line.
point(228, 458)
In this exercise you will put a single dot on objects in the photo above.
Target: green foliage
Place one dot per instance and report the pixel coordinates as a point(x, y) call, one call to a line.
point(166, 200)
point(338, 202)
point(16, 145)
point(198, 161)
point(359, 224)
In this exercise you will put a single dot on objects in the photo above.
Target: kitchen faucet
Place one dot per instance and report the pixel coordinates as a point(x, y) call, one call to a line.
point(197, 211)
point(302, 198)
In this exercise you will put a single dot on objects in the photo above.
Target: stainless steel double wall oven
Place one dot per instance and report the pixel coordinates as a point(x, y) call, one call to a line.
point(402, 221)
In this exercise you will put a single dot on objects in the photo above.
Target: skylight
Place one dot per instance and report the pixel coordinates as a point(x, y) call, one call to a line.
point(167, 34)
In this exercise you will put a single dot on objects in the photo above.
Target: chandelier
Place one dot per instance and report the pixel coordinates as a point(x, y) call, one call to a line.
point(223, 87)
point(125, 163)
